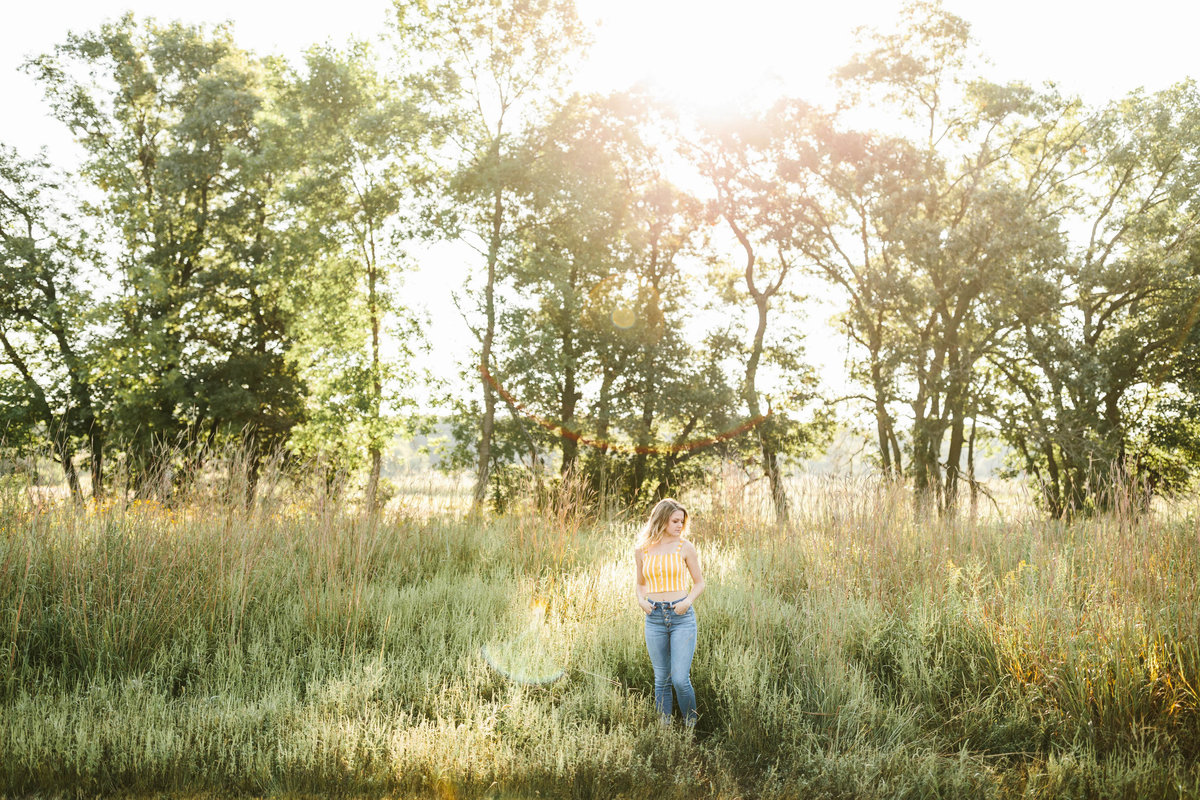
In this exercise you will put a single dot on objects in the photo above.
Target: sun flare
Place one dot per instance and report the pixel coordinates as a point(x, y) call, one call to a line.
point(711, 57)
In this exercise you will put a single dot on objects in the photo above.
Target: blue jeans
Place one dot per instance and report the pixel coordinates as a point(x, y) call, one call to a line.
point(671, 642)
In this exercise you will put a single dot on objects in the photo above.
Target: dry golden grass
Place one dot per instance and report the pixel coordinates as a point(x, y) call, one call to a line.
point(302, 647)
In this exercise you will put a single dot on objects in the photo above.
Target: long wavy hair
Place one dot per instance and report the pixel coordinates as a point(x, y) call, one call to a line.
point(656, 526)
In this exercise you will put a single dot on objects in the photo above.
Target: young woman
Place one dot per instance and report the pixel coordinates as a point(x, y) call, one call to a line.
point(665, 563)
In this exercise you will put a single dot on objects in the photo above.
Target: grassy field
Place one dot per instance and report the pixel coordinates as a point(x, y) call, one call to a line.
point(302, 650)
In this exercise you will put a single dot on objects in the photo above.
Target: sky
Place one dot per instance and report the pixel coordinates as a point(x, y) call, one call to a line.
point(702, 53)
point(706, 56)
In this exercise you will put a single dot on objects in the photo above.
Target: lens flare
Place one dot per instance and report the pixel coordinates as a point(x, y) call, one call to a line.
point(623, 317)
point(527, 657)
point(615, 300)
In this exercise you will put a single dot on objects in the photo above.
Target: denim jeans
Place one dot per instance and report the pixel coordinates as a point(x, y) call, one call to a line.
point(671, 642)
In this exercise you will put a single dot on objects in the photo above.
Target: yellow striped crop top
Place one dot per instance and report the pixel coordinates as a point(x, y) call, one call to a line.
point(665, 572)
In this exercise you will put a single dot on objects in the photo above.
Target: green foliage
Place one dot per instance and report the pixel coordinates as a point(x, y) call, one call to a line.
point(967, 243)
point(752, 198)
point(599, 353)
point(175, 122)
point(48, 350)
point(1096, 400)
point(359, 140)
point(1010, 265)
point(969, 298)
point(486, 68)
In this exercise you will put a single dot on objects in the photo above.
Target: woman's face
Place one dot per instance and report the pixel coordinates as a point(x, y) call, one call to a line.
point(675, 523)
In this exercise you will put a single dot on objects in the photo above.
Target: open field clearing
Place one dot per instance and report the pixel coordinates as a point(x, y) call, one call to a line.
point(860, 652)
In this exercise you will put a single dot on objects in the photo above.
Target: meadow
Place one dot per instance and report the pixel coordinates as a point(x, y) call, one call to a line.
point(299, 648)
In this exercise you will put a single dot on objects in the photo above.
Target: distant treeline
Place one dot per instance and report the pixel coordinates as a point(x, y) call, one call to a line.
point(223, 267)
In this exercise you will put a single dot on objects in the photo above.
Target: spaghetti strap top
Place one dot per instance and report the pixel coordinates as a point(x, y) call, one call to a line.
point(665, 572)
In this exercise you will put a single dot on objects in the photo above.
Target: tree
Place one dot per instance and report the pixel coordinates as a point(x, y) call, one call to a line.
point(741, 162)
point(171, 119)
point(1165, 436)
point(570, 215)
point(942, 248)
point(361, 141)
point(669, 394)
point(488, 66)
point(598, 341)
point(1091, 379)
point(43, 322)
point(967, 291)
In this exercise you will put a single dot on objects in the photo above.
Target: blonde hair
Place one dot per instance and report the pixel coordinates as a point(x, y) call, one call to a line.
point(656, 526)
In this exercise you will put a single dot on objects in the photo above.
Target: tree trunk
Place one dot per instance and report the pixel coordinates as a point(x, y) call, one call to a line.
point(487, 424)
point(882, 418)
point(643, 441)
point(1056, 491)
point(603, 413)
point(929, 422)
point(921, 469)
point(62, 445)
point(375, 446)
point(569, 442)
point(253, 470)
point(954, 456)
point(958, 392)
point(81, 396)
point(971, 469)
point(59, 437)
point(96, 446)
point(897, 462)
point(762, 299)
point(770, 456)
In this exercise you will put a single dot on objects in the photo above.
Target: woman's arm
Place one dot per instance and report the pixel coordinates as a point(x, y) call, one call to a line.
point(692, 558)
point(639, 583)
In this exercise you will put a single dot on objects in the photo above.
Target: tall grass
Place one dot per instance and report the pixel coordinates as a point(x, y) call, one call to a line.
point(301, 647)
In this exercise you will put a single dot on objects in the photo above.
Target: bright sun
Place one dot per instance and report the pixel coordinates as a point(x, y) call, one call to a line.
point(715, 56)
point(718, 55)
